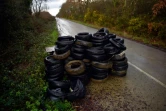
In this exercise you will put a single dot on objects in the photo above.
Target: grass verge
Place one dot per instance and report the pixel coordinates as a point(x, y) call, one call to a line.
point(22, 73)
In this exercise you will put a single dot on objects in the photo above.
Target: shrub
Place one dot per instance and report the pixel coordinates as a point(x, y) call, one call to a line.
point(22, 72)
point(154, 28)
point(162, 33)
point(88, 15)
point(122, 22)
point(137, 26)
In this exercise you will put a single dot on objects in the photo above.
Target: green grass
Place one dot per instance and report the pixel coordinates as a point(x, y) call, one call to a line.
point(22, 73)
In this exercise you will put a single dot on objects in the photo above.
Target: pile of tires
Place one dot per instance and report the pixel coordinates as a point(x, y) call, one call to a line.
point(69, 68)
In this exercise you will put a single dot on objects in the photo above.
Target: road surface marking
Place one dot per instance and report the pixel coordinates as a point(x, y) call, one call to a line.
point(159, 82)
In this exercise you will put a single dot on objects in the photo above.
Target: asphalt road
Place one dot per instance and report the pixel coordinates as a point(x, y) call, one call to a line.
point(143, 88)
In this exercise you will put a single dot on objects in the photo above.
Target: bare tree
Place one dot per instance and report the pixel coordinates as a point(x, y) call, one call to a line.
point(44, 7)
point(37, 6)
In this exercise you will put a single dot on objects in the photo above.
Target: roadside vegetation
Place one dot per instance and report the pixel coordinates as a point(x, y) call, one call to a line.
point(22, 51)
point(141, 20)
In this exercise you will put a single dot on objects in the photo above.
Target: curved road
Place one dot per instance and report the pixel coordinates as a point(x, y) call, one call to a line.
point(144, 87)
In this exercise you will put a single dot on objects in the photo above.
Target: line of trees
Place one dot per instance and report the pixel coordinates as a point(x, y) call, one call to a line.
point(138, 17)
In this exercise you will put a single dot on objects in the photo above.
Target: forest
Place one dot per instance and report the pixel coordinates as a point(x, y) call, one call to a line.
point(144, 19)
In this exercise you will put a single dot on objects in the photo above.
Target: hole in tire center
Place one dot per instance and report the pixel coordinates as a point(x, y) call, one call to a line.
point(75, 66)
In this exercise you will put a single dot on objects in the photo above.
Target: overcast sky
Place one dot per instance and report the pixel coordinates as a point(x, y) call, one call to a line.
point(54, 6)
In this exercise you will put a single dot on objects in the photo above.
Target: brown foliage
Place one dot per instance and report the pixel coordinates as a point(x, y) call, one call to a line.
point(154, 28)
point(161, 5)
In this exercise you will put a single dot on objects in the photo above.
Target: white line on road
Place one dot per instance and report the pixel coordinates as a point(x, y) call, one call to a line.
point(159, 82)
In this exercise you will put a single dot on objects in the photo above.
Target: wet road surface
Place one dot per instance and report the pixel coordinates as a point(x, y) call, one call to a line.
point(143, 88)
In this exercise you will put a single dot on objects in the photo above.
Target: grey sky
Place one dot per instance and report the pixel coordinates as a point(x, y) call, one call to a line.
point(54, 6)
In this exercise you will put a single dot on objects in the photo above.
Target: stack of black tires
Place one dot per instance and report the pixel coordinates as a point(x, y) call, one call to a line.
point(100, 63)
point(115, 50)
point(75, 61)
point(82, 42)
point(54, 69)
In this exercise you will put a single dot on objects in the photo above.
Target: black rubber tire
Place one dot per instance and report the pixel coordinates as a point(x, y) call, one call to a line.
point(121, 62)
point(106, 41)
point(99, 70)
point(62, 49)
point(83, 36)
point(99, 74)
point(64, 43)
point(114, 43)
point(95, 51)
point(103, 30)
point(95, 44)
point(99, 35)
point(98, 47)
point(54, 71)
point(59, 78)
point(59, 84)
point(98, 41)
point(61, 56)
point(68, 59)
point(119, 73)
point(83, 43)
point(112, 53)
point(120, 68)
point(80, 67)
point(78, 46)
point(111, 50)
point(99, 78)
point(77, 56)
point(84, 78)
point(118, 57)
point(78, 50)
point(53, 67)
point(119, 40)
point(98, 57)
point(118, 44)
point(86, 60)
point(102, 65)
point(55, 75)
point(88, 66)
point(111, 36)
point(108, 47)
point(50, 61)
point(68, 38)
